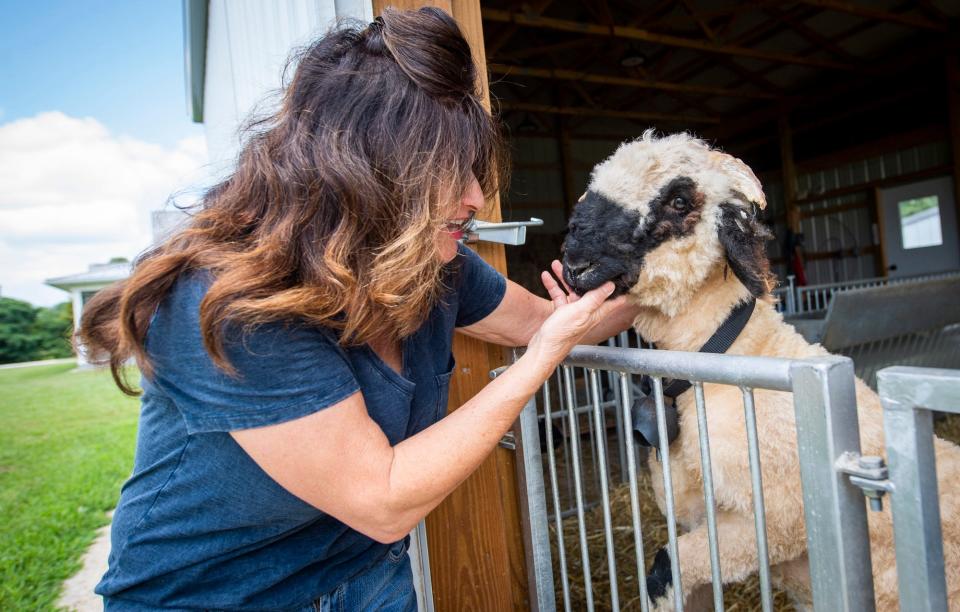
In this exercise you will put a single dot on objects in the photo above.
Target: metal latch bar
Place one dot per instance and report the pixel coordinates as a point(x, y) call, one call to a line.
point(508, 232)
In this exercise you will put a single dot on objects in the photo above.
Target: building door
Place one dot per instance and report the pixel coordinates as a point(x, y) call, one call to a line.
point(920, 228)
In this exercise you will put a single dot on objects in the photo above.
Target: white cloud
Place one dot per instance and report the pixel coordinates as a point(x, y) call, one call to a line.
point(72, 194)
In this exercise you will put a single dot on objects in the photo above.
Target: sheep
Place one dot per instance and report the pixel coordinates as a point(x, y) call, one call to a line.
point(674, 224)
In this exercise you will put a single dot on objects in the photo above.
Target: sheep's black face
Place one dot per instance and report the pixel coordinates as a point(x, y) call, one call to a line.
point(608, 241)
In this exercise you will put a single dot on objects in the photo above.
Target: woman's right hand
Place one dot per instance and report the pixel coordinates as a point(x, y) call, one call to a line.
point(572, 318)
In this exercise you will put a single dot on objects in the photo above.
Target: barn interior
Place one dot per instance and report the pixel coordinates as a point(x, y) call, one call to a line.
point(836, 106)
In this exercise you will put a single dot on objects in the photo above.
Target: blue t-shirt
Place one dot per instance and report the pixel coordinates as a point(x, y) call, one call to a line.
point(199, 524)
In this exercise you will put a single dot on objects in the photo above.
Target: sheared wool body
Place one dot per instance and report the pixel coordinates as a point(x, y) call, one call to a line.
point(687, 285)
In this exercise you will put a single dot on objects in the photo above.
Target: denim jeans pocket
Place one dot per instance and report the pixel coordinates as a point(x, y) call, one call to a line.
point(397, 551)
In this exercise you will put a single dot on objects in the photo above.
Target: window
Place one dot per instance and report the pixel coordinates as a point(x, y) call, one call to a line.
point(920, 222)
point(85, 297)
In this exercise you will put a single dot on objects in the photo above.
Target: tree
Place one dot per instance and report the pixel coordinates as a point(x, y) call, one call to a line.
point(28, 333)
point(54, 327)
point(17, 340)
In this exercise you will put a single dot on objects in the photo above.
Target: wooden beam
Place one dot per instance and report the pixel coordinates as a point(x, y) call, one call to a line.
point(504, 37)
point(605, 79)
point(753, 36)
point(842, 112)
point(700, 21)
point(737, 122)
point(474, 536)
point(900, 179)
point(810, 213)
point(869, 12)
point(535, 50)
point(579, 111)
point(812, 36)
point(840, 253)
point(633, 33)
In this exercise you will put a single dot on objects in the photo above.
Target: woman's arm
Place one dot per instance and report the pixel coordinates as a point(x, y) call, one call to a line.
point(339, 460)
point(520, 314)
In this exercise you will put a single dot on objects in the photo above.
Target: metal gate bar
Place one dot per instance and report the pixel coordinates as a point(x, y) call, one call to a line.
point(710, 502)
point(908, 395)
point(555, 495)
point(756, 484)
point(577, 483)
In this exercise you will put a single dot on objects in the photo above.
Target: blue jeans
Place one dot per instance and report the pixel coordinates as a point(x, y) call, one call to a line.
point(387, 586)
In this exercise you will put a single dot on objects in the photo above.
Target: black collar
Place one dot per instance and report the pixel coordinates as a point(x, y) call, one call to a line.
point(644, 412)
point(719, 342)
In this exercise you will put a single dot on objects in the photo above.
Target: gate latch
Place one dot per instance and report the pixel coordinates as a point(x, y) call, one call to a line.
point(508, 232)
point(867, 472)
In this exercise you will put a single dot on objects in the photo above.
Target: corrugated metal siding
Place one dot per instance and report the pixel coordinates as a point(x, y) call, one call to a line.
point(853, 228)
point(248, 44)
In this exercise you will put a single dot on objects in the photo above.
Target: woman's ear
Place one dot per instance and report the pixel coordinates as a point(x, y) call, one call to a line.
point(744, 238)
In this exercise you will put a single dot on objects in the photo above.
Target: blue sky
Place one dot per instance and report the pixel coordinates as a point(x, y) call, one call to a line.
point(94, 134)
point(120, 62)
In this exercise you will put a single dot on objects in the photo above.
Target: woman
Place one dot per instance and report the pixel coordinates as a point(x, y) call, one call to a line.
point(295, 339)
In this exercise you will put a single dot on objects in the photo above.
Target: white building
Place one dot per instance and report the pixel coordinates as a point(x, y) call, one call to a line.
point(84, 285)
point(235, 54)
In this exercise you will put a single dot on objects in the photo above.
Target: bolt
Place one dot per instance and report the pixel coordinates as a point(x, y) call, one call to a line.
point(876, 499)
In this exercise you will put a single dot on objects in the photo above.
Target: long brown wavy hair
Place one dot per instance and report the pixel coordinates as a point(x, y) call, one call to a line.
point(333, 214)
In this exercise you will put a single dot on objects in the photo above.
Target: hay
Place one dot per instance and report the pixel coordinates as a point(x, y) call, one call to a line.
point(741, 597)
point(947, 426)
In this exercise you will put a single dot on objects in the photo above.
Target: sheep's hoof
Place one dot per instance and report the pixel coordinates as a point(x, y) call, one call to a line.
point(665, 603)
point(660, 579)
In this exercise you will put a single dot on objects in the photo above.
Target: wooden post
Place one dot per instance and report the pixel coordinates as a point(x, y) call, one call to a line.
point(953, 117)
point(566, 167)
point(474, 536)
point(789, 172)
point(880, 260)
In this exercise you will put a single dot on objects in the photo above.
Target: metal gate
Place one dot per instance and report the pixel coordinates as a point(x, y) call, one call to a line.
point(595, 388)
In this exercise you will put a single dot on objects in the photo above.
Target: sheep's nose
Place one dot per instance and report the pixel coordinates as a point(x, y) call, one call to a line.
point(576, 268)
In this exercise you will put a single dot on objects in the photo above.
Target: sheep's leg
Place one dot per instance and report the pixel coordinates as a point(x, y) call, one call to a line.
point(736, 535)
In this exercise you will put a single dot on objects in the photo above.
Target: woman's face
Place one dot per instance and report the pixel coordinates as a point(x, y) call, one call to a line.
point(470, 203)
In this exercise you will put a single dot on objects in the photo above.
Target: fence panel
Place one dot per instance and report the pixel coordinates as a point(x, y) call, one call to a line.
point(908, 395)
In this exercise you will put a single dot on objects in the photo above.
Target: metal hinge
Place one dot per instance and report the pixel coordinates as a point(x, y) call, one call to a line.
point(508, 441)
point(867, 472)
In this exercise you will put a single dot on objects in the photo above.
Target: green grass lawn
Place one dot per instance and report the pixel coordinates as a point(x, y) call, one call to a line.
point(66, 446)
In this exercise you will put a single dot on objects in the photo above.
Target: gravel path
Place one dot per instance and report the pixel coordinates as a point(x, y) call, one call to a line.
point(77, 594)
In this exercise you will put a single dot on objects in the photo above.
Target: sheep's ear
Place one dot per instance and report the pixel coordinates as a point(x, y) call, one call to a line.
point(744, 184)
point(743, 237)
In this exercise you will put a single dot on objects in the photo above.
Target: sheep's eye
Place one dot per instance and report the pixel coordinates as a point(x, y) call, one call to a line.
point(679, 202)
